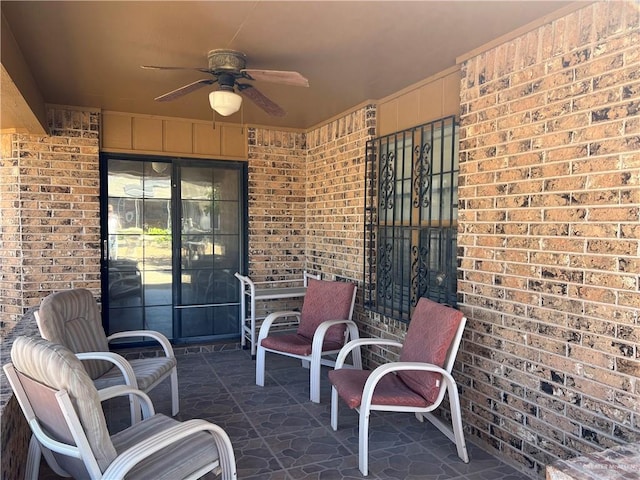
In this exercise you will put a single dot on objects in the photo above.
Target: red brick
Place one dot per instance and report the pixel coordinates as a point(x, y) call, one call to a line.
point(629, 299)
point(567, 153)
point(565, 214)
point(526, 187)
point(596, 67)
point(612, 247)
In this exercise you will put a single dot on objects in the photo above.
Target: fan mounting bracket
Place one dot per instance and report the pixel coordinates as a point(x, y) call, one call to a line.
point(223, 60)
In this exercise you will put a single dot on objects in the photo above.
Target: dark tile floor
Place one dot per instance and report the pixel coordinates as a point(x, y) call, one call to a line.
point(278, 434)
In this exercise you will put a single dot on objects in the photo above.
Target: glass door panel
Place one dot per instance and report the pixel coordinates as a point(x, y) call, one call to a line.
point(139, 247)
point(209, 250)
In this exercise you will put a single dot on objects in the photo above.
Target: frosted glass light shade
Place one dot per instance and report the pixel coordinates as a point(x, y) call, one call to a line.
point(225, 102)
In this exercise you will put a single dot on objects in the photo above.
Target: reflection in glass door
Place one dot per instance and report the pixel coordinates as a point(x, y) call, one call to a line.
point(173, 239)
point(210, 253)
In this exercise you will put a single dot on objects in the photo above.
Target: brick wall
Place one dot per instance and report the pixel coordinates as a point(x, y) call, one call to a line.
point(549, 237)
point(306, 195)
point(276, 209)
point(11, 304)
point(49, 212)
point(335, 172)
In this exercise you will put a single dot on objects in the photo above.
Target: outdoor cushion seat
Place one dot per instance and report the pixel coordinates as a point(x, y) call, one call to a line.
point(148, 372)
point(296, 344)
point(390, 390)
point(163, 465)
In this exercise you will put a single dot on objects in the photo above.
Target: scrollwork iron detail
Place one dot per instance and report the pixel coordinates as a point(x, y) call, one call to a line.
point(385, 271)
point(419, 272)
point(421, 182)
point(387, 180)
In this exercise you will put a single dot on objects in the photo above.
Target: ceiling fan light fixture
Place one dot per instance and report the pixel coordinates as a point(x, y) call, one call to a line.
point(225, 102)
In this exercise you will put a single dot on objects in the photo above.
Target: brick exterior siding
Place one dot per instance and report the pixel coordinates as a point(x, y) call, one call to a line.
point(276, 204)
point(306, 195)
point(549, 237)
point(335, 173)
point(276, 210)
point(49, 213)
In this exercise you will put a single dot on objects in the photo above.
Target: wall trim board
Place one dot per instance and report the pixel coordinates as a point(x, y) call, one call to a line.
point(443, 73)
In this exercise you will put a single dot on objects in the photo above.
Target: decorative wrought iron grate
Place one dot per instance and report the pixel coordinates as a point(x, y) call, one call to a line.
point(411, 206)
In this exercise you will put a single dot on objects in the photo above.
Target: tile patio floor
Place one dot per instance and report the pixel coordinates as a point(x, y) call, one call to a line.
point(278, 434)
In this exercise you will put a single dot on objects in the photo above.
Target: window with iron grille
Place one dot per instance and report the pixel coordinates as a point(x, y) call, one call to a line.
point(411, 206)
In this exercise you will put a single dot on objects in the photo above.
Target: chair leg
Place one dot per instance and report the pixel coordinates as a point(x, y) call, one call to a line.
point(334, 408)
point(314, 381)
point(33, 459)
point(453, 432)
point(456, 423)
point(175, 397)
point(363, 441)
point(260, 359)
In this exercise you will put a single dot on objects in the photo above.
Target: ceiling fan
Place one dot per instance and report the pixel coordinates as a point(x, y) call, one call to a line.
point(228, 69)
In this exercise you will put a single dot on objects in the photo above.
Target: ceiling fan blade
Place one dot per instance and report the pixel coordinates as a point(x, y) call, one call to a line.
point(260, 100)
point(277, 76)
point(157, 67)
point(178, 92)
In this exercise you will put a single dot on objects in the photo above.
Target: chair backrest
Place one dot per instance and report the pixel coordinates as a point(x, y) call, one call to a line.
point(433, 336)
point(44, 369)
point(326, 300)
point(71, 318)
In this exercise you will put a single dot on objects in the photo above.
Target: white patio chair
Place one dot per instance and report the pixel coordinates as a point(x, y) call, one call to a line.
point(416, 383)
point(62, 406)
point(324, 327)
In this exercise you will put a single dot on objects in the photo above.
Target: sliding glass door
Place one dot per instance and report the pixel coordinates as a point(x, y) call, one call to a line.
point(173, 236)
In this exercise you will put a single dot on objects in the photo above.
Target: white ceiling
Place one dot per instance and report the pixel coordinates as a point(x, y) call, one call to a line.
point(89, 53)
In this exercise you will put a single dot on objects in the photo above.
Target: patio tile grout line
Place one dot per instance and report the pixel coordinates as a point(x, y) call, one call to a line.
point(248, 418)
point(296, 399)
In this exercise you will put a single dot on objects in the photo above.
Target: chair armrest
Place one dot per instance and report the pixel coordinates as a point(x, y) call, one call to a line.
point(318, 339)
point(118, 360)
point(122, 390)
point(359, 343)
point(134, 455)
point(52, 444)
point(159, 337)
point(388, 368)
point(270, 319)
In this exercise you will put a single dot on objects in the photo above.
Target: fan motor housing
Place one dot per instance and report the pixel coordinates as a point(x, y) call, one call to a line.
point(226, 60)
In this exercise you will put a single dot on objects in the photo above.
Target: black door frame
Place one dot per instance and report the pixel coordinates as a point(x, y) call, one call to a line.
point(175, 163)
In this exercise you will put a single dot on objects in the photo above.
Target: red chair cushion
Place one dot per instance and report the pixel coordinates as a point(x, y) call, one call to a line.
point(431, 331)
point(295, 344)
point(389, 391)
point(324, 301)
